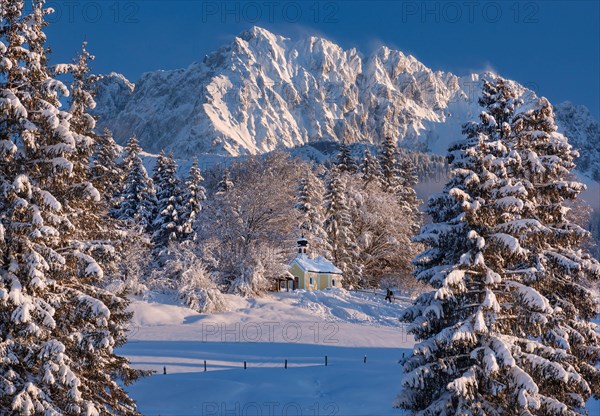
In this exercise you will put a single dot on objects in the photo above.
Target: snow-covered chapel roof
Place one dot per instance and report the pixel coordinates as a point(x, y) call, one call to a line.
point(318, 264)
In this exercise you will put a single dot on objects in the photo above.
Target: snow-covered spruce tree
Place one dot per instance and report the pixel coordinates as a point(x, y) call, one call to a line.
point(81, 101)
point(399, 178)
point(500, 100)
point(338, 227)
point(107, 175)
point(309, 205)
point(82, 95)
point(554, 250)
point(506, 330)
point(169, 198)
point(407, 193)
point(345, 162)
point(370, 168)
point(131, 154)
point(225, 184)
point(58, 329)
point(193, 197)
point(136, 203)
point(442, 377)
point(97, 160)
point(595, 231)
point(388, 160)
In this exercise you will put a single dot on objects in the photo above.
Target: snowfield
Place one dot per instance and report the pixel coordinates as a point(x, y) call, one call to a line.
point(301, 327)
point(333, 316)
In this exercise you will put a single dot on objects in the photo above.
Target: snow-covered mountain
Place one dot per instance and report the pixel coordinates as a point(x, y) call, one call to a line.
point(264, 91)
point(583, 131)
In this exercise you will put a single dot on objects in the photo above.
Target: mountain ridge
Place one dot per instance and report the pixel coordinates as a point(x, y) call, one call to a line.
point(263, 91)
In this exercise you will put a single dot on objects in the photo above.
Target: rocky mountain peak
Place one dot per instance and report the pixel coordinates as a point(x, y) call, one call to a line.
point(263, 91)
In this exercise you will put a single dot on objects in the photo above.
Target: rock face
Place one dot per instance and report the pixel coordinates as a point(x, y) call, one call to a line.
point(577, 123)
point(264, 91)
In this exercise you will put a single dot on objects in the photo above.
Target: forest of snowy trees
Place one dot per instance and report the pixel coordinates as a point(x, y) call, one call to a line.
point(241, 224)
point(504, 318)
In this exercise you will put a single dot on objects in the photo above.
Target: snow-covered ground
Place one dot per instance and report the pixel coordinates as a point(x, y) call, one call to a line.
point(301, 327)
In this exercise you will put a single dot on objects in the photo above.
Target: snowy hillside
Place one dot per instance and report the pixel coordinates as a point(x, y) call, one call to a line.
point(364, 311)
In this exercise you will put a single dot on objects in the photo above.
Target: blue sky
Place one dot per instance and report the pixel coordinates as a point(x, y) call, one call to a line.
point(552, 47)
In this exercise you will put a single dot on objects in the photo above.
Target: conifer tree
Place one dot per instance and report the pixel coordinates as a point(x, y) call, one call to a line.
point(225, 184)
point(399, 178)
point(58, 330)
point(136, 202)
point(168, 195)
point(193, 198)
point(309, 204)
point(370, 168)
point(345, 161)
point(132, 152)
point(82, 94)
point(508, 323)
point(107, 175)
point(388, 160)
point(408, 172)
point(500, 100)
point(338, 228)
point(407, 193)
point(81, 101)
point(562, 268)
point(12, 98)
